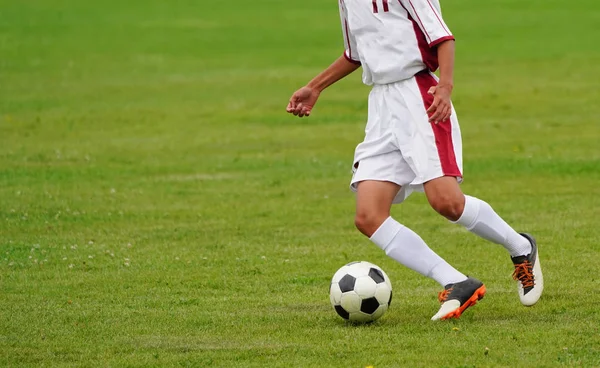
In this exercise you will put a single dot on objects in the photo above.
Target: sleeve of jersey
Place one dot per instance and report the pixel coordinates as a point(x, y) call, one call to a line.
point(427, 14)
point(349, 41)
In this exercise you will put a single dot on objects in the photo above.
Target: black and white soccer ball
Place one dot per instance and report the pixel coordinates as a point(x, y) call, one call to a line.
point(360, 292)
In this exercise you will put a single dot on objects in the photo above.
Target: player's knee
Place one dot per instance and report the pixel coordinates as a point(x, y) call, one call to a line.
point(451, 207)
point(362, 221)
point(367, 222)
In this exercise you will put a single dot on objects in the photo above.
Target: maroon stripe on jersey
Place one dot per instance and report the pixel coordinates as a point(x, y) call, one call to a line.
point(347, 39)
point(438, 17)
point(375, 9)
point(442, 131)
point(351, 60)
point(419, 19)
point(386, 7)
point(428, 54)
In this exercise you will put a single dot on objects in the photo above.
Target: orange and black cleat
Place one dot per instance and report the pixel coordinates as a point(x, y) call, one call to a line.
point(459, 296)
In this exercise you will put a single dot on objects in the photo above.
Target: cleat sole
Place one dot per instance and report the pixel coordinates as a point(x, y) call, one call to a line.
point(477, 295)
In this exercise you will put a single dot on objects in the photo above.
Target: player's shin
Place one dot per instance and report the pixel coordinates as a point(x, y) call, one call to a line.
point(479, 218)
point(408, 248)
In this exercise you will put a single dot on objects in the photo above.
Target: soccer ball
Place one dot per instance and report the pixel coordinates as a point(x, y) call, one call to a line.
point(360, 292)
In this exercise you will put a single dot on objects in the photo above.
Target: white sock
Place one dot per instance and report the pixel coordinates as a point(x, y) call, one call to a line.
point(406, 247)
point(479, 218)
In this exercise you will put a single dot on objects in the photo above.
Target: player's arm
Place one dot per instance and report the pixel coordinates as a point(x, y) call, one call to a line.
point(336, 71)
point(303, 100)
point(427, 15)
point(441, 108)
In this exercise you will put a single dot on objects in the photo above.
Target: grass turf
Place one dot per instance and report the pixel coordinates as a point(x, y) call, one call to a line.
point(158, 207)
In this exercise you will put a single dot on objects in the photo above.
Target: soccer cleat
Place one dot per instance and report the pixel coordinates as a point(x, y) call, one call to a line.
point(457, 297)
point(528, 273)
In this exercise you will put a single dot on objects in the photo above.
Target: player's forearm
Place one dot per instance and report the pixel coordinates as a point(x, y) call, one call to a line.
point(336, 71)
point(446, 61)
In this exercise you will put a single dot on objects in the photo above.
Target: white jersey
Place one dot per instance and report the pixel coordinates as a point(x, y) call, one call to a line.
point(392, 39)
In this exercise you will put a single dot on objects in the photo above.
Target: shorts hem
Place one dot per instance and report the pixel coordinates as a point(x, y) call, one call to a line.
point(354, 182)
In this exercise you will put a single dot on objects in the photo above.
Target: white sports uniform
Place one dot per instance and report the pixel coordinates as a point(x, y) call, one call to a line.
point(395, 41)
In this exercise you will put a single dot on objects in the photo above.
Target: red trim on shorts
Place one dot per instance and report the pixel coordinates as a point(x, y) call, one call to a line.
point(442, 130)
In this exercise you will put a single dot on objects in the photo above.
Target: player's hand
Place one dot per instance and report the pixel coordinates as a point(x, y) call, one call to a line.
point(441, 108)
point(302, 101)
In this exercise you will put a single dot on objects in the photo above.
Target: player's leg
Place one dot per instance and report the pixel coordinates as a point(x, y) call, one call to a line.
point(373, 203)
point(384, 162)
point(439, 162)
point(374, 200)
point(446, 197)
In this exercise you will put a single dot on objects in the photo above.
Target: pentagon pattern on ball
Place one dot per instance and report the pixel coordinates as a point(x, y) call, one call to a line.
point(339, 274)
point(347, 283)
point(360, 292)
point(369, 306)
point(357, 270)
point(342, 312)
point(379, 312)
point(376, 275)
point(383, 293)
point(365, 287)
point(360, 317)
point(350, 302)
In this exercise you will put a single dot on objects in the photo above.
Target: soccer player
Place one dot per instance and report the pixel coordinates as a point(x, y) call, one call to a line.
point(413, 143)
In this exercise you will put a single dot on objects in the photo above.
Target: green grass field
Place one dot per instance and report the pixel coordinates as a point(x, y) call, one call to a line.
point(158, 207)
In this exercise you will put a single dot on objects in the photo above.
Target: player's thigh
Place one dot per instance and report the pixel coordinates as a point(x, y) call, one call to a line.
point(380, 178)
point(375, 197)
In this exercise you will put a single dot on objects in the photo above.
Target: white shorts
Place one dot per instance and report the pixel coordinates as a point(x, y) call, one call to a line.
point(401, 145)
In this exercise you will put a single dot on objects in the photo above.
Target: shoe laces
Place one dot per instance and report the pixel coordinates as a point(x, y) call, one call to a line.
point(524, 273)
point(443, 295)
